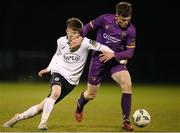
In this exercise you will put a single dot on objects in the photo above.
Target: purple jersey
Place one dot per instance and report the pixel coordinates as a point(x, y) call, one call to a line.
point(110, 34)
point(122, 41)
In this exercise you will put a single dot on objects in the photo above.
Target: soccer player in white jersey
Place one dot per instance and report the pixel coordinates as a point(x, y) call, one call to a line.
point(66, 68)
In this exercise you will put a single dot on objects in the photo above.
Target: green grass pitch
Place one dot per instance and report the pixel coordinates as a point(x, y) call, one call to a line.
point(103, 114)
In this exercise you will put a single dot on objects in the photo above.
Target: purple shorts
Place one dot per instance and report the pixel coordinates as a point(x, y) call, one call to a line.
point(97, 69)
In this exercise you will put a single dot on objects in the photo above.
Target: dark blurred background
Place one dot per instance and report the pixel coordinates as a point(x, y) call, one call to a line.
point(29, 30)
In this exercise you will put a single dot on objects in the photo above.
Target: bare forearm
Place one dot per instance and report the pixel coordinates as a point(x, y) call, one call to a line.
point(105, 48)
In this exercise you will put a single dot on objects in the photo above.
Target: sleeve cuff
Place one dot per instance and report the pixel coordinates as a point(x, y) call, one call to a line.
point(48, 68)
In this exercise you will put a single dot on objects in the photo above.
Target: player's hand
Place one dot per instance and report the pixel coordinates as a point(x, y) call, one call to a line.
point(42, 72)
point(76, 42)
point(106, 56)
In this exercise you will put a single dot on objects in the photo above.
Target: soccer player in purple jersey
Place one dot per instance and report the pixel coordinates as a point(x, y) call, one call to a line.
point(115, 31)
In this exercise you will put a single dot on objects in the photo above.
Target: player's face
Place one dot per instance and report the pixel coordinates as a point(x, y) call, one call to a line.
point(122, 21)
point(72, 34)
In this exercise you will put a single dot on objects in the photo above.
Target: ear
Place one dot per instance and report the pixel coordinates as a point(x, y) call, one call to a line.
point(116, 17)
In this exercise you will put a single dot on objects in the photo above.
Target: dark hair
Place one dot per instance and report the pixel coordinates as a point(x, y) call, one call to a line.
point(75, 24)
point(124, 9)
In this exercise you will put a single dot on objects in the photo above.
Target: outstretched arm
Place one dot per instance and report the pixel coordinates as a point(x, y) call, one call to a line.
point(42, 72)
point(124, 54)
point(107, 53)
point(131, 44)
point(92, 25)
point(88, 27)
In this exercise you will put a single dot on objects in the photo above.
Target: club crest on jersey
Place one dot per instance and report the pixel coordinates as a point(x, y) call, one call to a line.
point(71, 58)
point(123, 34)
point(106, 27)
